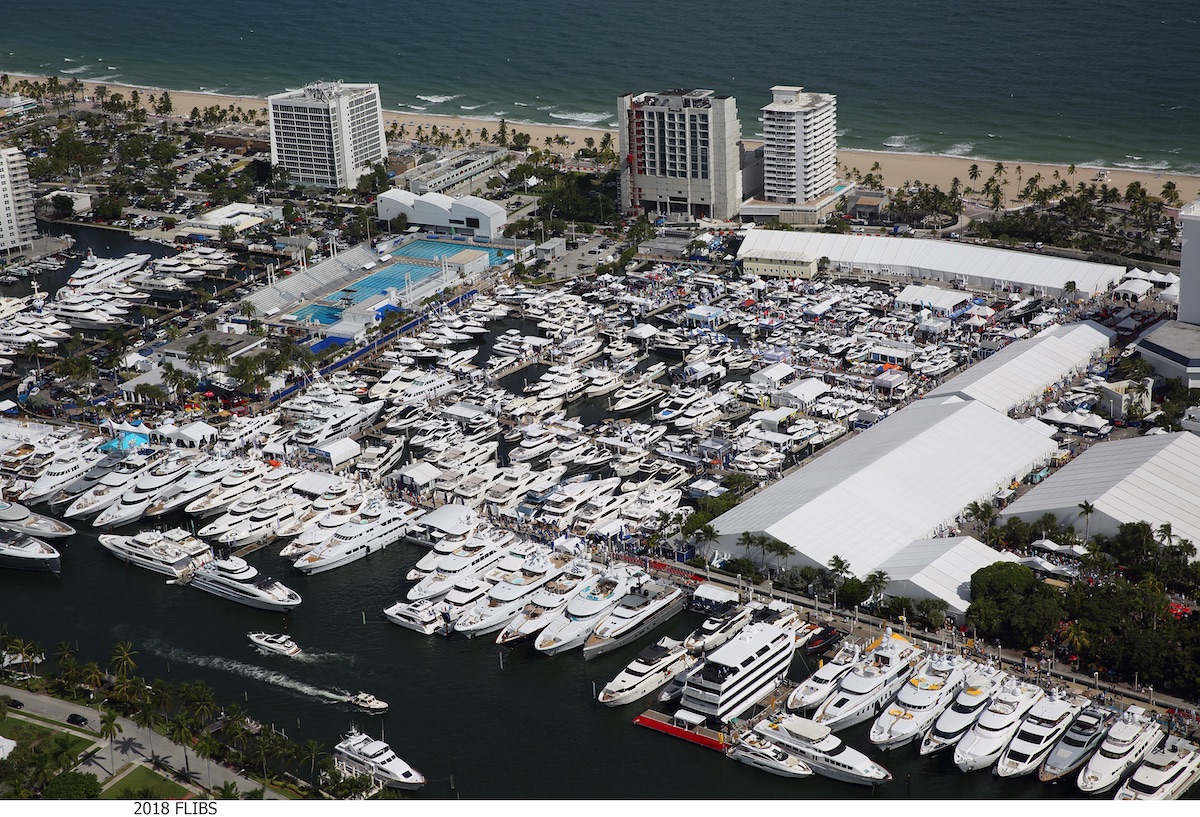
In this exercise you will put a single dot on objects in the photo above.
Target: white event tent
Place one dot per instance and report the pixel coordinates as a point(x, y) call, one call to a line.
point(940, 569)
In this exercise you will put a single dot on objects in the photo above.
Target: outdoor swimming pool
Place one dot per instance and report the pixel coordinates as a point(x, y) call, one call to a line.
point(432, 250)
point(318, 313)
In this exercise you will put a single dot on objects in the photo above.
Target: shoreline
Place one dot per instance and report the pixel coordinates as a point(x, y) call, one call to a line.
point(896, 167)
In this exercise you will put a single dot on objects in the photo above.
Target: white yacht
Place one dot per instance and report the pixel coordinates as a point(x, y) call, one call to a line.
point(471, 558)
point(571, 627)
point(69, 467)
point(639, 611)
point(756, 751)
point(1129, 741)
point(932, 688)
point(111, 487)
point(199, 481)
point(1166, 773)
point(634, 398)
point(363, 754)
point(822, 750)
point(546, 602)
point(462, 596)
point(136, 499)
point(16, 517)
point(718, 628)
point(378, 460)
point(740, 673)
point(983, 682)
point(93, 270)
point(981, 746)
point(331, 424)
point(560, 507)
point(232, 578)
point(239, 512)
point(264, 522)
point(514, 482)
point(820, 685)
point(424, 616)
point(866, 689)
point(1048, 721)
point(173, 552)
point(377, 525)
point(1077, 745)
point(321, 527)
point(653, 667)
point(506, 598)
point(19, 551)
point(242, 477)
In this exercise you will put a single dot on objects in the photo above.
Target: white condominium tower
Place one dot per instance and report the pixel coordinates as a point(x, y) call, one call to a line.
point(18, 228)
point(799, 145)
point(327, 133)
point(680, 154)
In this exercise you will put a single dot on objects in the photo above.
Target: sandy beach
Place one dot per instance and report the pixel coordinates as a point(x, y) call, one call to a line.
point(895, 168)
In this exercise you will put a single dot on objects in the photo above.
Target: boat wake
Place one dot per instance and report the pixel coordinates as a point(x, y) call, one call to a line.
point(272, 677)
point(310, 657)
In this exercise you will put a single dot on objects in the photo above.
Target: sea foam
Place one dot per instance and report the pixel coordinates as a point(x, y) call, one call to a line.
point(438, 99)
point(586, 118)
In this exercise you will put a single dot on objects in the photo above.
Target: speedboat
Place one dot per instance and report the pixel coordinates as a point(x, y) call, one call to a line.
point(368, 703)
point(982, 683)
point(931, 689)
point(1048, 721)
point(755, 750)
point(639, 611)
point(653, 667)
point(1128, 743)
point(1166, 773)
point(821, 684)
point(571, 627)
point(823, 751)
point(866, 689)
point(274, 642)
point(19, 551)
point(740, 673)
point(173, 552)
point(363, 754)
point(546, 602)
point(1077, 745)
point(232, 578)
point(717, 629)
point(981, 746)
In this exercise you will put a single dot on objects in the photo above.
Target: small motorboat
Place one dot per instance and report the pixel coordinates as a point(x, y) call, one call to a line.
point(823, 640)
point(755, 750)
point(274, 642)
point(368, 703)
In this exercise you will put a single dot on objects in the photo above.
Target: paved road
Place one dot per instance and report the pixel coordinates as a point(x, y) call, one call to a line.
point(132, 745)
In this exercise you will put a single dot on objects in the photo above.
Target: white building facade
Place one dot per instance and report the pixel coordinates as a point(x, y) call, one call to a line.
point(799, 145)
point(468, 215)
point(18, 228)
point(327, 134)
point(680, 154)
point(1189, 264)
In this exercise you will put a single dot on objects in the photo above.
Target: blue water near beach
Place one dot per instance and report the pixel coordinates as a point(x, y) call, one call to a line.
point(1107, 82)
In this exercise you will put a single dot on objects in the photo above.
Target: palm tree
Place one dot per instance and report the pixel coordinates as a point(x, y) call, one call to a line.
point(876, 582)
point(179, 730)
point(109, 729)
point(122, 658)
point(207, 747)
point(147, 717)
point(227, 791)
point(93, 676)
point(1086, 509)
point(839, 567)
point(310, 751)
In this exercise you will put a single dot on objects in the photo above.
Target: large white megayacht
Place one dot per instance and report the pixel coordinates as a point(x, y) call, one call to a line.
point(865, 690)
point(363, 754)
point(928, 692)
point(378, 524)
point(740, 673)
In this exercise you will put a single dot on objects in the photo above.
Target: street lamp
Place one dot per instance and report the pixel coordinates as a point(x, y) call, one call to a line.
point(1096, 675)
point(1150, 689)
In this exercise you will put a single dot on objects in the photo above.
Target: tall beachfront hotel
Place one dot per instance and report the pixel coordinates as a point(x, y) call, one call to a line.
point(18, 228)
point(327, 134)
point(680, 154)
point(799, 145)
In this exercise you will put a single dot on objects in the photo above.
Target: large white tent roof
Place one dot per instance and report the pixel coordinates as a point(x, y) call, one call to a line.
point(940, 569)
point(1155, 479)
point(1020, 372)
point(906, 478)
point(927, 258)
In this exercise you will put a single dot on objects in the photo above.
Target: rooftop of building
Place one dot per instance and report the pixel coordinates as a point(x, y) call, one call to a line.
point(323, 91)
point(1174, 336)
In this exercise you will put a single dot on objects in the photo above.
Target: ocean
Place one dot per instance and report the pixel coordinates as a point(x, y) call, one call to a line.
point(1103, 83)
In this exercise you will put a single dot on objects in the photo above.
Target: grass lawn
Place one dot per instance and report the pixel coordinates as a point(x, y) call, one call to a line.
point(143, 777)
point(23, 731)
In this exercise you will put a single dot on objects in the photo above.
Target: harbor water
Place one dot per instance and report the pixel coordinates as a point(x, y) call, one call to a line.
point(1099, 83)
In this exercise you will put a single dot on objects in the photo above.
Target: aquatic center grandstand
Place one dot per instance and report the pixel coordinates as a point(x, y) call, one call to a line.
point(772, 252)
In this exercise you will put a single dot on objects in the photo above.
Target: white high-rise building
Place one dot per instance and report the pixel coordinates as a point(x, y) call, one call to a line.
point(799, 145)
point(1189, 264)
point(327, 134)
point(18, 228)
point(680, 154)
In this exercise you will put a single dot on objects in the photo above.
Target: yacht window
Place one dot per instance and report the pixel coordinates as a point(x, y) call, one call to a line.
point(1020, 757)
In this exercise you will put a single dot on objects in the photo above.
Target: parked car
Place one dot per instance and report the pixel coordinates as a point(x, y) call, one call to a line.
point(13, 703)
point(76, 719)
